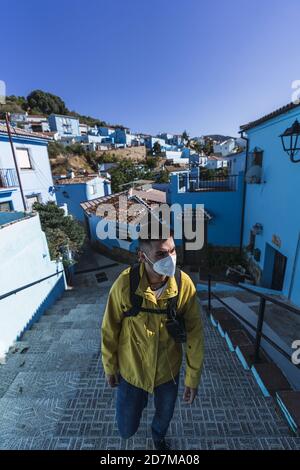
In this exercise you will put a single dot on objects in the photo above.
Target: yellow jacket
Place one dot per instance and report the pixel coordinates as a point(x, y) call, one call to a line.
point(140, 347)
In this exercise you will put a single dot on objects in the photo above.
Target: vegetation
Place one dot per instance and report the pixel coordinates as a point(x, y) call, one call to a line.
point(164, 177)
point(156, 149)
point(151, 163)
point(126, 172)
point(218, 261)
point(63, 233)
point(208, 174)
point(185, 137)
point(208, 146)
point(41, 102)
point(55, 149)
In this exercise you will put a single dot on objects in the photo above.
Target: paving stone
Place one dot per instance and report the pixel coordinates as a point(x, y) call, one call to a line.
point(44, 384)
point(55, 396)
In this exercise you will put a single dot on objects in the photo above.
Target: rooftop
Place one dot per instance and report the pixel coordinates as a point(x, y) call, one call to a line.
point(267, 117)
point(78, 179)
point(91, 207)
point(16, 131)
point(173, 168)
point(8, 218)
point(146, 199)
point(215, 157)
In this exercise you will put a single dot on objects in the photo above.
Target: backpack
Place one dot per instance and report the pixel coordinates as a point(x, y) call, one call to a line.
point(175, 323)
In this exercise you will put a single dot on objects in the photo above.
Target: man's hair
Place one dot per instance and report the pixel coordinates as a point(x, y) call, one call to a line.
point(146, 243)
point(147, 238)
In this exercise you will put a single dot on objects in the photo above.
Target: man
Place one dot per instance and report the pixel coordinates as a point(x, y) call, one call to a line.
point(138, 352)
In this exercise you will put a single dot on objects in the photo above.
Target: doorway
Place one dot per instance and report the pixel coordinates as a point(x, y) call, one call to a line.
point(274, 268)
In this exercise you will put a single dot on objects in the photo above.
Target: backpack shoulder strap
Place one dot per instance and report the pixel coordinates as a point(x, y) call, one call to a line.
point(173, 301)
point(135, 300)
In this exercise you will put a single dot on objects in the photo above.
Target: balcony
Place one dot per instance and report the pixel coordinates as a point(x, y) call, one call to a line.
point(216, 183)
point(8, 178)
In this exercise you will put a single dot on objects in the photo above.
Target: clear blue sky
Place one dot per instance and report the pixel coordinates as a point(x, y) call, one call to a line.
point(155, 65)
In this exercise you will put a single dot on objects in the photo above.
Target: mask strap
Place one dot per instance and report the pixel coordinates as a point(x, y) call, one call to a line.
point(148, 259)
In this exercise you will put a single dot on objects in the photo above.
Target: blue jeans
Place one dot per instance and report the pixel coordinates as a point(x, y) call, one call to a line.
point(132, 400)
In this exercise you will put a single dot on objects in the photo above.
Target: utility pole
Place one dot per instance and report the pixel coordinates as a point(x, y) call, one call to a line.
point(15, 160)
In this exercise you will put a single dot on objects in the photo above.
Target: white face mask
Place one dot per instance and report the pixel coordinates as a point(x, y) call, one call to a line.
point(165, 266)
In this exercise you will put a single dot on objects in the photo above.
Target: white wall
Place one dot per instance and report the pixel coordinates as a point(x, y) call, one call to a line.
point(34, 181)
point(24, 258)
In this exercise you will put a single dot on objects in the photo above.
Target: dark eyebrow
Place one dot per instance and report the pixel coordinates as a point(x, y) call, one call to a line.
point(165, 251)
point(161, 252)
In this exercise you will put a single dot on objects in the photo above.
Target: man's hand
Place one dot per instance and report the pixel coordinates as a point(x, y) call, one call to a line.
point(112, 380)
point(189, 394)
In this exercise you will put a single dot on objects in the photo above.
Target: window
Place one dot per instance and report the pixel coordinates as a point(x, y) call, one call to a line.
point(257, 157)
point(5, 206)
point(93, 188)
point(23, 159)
point(181, 182)
point(31, 200)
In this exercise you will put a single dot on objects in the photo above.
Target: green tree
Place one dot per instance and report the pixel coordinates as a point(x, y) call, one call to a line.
point(55, 149)
point(151, 163)
point(185, 136)
point(124, 173)
point(62, 232)
point(157, 149)
point(46, 103)
point(164, 177)
point(208, 146)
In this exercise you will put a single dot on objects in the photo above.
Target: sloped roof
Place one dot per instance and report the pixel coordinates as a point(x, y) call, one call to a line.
point(78, 179)
point(267, 117)
point(16, 131)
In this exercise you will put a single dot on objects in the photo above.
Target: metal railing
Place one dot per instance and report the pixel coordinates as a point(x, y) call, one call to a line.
point(8, 178)
point(216, 183)
point(19, 289)
point(259, 335)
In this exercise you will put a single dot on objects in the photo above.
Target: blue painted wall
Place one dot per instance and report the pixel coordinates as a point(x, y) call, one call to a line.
point(72, 195)
point(275, 202)
point(75, 193)
point(224, 206)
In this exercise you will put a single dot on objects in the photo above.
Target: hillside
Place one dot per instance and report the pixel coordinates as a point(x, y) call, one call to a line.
point(61, 163)
point(44, 103)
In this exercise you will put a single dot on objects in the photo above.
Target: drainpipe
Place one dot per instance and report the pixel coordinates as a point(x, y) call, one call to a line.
point(244, 191)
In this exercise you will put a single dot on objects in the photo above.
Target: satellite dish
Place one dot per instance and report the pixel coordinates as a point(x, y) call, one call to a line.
point(254, 174)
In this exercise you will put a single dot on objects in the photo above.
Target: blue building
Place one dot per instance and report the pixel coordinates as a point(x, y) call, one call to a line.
point(34, 167)
point(66, 126)
point(106, 131)
point(222, 200)
point(74, 190)
point(150, 141)
point(171, 139)
point(271, 225)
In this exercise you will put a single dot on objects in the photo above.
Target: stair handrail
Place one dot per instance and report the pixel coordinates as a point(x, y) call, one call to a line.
point(26, 286)
point(267, 297)
point(260, 319)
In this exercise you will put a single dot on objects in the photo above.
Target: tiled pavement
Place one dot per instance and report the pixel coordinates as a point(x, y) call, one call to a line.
point(53, 393)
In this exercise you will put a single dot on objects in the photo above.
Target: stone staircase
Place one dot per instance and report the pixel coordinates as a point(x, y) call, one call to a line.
point(53, 393)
